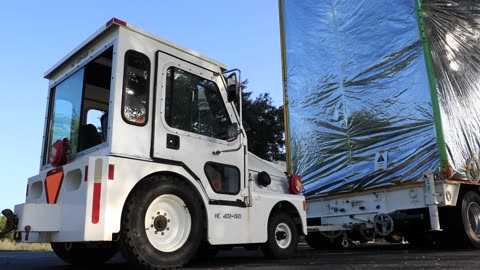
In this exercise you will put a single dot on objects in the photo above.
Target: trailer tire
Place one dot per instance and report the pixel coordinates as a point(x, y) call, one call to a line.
point(282, 236)
point(79, 253)
point(162, 224)
point(470, 211)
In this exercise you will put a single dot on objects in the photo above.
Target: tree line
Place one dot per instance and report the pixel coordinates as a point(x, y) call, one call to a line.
point(263, 122)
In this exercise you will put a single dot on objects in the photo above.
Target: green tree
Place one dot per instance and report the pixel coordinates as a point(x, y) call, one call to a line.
point(3, 220)
point(263, 122)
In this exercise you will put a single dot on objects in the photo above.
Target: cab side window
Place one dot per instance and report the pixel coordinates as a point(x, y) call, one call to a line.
point(136, 84)
point(223, 178)
point(194, 104)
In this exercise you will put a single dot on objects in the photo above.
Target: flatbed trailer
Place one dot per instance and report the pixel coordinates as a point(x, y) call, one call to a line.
point(381, 112)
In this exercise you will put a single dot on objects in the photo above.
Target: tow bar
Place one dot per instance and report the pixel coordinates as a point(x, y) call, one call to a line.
point(10, 224)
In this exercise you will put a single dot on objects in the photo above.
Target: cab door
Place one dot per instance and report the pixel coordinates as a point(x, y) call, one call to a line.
point(192, 118)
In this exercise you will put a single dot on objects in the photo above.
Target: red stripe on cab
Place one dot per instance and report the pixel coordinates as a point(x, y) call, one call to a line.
point(97, 188)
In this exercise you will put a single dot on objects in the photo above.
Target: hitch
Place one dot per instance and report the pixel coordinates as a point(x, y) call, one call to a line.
point(10, 224)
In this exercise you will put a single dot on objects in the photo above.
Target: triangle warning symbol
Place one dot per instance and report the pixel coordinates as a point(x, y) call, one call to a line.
point(53, 182)
point(381, 159)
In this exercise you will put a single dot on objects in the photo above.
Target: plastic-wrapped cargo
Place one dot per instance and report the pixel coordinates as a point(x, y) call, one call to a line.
point(377, 92)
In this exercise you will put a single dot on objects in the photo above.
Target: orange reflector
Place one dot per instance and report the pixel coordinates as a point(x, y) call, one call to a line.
point(53, 182)
point(304, 206)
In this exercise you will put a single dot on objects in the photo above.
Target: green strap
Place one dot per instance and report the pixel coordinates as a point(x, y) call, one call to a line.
point(422, 27)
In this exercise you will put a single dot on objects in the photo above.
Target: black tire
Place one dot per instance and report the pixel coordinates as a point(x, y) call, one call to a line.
point(80, 253)
point(156, 246)
point(461, 224)
point(470, 212)
point(282, 236)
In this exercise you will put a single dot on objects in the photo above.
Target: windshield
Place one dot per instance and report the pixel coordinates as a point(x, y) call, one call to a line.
point(66, 110)
point(79, 107)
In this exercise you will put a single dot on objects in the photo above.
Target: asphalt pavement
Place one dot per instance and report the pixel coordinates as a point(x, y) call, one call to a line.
point(362, 257)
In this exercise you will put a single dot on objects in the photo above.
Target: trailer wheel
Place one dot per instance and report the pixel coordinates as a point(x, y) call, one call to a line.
point(79, 253)
point(470, 210)
point(162, 224)
point(282, 236)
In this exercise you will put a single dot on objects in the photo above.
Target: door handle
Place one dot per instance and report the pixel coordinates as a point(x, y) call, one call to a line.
point(173, 142)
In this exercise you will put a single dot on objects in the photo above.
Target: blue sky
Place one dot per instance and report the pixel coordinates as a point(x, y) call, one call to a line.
point(35, 35)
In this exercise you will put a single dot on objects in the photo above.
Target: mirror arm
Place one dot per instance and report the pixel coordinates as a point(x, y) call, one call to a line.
point(218, 152)
point(240, 86)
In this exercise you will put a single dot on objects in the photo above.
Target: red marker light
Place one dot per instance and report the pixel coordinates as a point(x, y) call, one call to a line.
point(294, 184)
point(115, 21)
point(111, 171)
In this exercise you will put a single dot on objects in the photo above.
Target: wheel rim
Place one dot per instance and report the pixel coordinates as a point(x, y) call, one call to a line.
point(283, 235)
point(168, 223)
point(473, 211)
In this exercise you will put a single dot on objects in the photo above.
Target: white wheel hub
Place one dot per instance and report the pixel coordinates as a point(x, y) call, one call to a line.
point(168, 223)
point(283, 235)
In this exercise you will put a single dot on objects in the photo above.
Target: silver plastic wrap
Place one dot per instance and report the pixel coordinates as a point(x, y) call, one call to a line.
point(359, 105)
point(454, 32)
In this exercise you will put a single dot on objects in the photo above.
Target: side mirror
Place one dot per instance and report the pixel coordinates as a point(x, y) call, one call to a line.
point(232, 133)
point(232, 87)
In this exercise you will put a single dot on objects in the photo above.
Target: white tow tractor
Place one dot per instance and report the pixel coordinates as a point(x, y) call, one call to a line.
point(144, 150)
